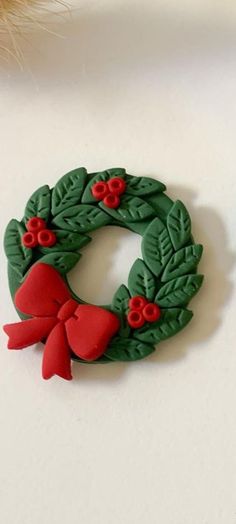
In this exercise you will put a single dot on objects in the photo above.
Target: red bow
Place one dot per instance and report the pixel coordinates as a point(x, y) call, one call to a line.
point(60, 320)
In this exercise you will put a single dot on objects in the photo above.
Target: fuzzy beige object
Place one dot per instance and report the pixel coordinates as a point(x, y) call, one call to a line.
point(19, 16)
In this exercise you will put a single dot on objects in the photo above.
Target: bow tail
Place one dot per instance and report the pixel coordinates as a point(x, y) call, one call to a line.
point(28, 332)
point(56, 356)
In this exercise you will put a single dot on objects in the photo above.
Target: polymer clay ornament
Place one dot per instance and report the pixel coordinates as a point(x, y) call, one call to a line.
point(45, 245)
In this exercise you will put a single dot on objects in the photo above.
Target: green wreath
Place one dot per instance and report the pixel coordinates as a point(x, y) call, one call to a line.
point(166, 276)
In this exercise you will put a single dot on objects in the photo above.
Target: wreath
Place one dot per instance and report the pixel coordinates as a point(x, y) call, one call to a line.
point(46, 244)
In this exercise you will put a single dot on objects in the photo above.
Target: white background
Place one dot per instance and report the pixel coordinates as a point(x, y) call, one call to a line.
point(148, 85)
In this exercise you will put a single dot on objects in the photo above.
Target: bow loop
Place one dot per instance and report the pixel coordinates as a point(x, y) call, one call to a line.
point(42, 293)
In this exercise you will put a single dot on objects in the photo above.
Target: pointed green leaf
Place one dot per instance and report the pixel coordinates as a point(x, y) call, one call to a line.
point(179, 225)
point(61, 261)
point(39, 204)
point(120, 307)
point(156, 246)
point(81, 218)
point(66, 241)
point(179, 291)
point(102, 176)
point(171, 321)
point(182, 262)
point(141, 186)
point(141, 281)
point(131, 209)
point(68, 190)
point(18, 255)
point(121, 299)
point(126, 349)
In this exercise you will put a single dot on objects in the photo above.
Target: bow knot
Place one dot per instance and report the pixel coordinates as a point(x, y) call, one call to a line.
point(58, 319)
point(67, 309)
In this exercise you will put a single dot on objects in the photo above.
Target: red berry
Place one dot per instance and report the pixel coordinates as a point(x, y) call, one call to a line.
point(46, 238)
point(35, 224)
point(137, 303)
point(135, 319)
point(151, 312)
point(100, 190)
point(111, 201)
point(29, 239)
point(117, 185)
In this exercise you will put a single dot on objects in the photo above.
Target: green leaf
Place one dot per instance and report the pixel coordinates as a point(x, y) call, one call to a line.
point(102, 176)
point(141, 281)
point(156, 246)
point(39, 204)
point(18, 255)
point(182, 262)
point(171, 321)
point(140, 186)
point(131, 209)
point(81, 218)
point(179, 291)
point(179, 225)
point(61, 261)
point(126, 349)
point(66, 241)
point(120, 307)
point(120, 300)
point(68, 190)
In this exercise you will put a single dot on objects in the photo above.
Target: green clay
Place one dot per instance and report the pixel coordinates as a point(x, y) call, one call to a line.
point(131, 209)
point(66, 241)
point(182, 262)
point(81, 218)
point(142, 281)
point(19, 257)
point(39, 204)
point(156, 246)
point(179, 291)
point(171, 321)
point(142, 186)
point(120, 307)
point(179, 225)
point(68, 190)
point(167, 275)
point(126, 349)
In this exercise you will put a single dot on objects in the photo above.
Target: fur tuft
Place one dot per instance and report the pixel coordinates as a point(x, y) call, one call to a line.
point(18, 17)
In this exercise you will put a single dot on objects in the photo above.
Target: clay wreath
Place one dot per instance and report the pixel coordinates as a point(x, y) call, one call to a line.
point(45, 245)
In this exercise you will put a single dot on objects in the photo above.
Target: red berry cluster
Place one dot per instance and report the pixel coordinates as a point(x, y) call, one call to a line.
point(142, 311)
point(109, 192)
point(38, 234)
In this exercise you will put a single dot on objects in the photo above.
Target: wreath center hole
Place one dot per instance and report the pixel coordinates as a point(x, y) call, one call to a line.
point(105, 264)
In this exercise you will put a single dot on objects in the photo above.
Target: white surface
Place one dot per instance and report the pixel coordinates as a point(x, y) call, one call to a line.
point(149, 86)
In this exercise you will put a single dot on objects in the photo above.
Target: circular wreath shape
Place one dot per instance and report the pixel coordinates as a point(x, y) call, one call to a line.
point(46, 244)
